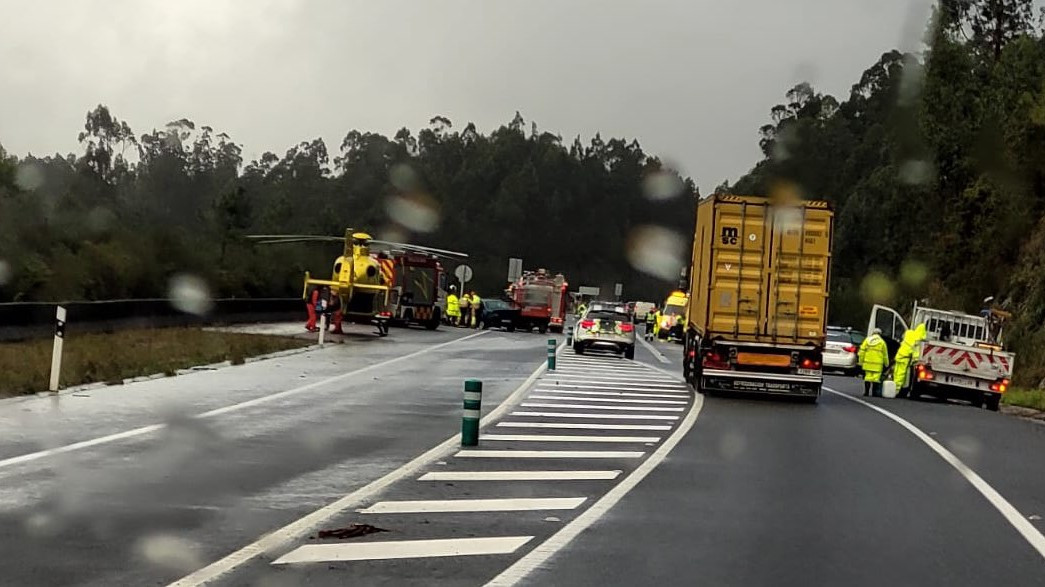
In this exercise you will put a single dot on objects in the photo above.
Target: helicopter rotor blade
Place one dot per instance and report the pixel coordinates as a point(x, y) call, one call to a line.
point(290, 236)
point(303, 239)
point(422, 249)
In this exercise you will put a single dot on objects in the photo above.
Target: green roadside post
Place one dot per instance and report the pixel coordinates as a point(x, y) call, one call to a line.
point(473, 396)
point(569, 335)
point(551, 353)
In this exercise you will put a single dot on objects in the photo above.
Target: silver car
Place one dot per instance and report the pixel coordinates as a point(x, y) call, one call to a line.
point(605, 327)
point(841, 350)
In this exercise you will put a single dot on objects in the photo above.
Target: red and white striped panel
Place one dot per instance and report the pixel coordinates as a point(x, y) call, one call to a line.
point(965, 359)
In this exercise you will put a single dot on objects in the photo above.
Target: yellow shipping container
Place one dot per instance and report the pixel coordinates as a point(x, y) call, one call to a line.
point(760, 273)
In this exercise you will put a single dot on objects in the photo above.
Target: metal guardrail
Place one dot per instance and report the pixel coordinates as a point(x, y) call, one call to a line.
point(27, 320)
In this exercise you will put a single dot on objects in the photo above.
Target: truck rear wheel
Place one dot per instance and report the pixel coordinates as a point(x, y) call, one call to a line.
point(977, 401)
point(993, 402)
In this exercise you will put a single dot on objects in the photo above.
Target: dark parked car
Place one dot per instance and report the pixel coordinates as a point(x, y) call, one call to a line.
point(499, 314)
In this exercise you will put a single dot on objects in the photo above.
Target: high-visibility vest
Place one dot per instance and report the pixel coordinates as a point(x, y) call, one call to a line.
point(453, 307)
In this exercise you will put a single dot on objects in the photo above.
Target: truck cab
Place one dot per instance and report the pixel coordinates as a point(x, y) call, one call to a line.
point(962, 356)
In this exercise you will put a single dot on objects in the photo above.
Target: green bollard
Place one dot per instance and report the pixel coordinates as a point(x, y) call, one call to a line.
point(473, 397)
point(551, 353)
point(569, 335)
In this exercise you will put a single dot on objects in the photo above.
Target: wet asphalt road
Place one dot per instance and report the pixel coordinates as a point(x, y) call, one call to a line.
point(772, 493)
point(756, 493)
point(148, 509)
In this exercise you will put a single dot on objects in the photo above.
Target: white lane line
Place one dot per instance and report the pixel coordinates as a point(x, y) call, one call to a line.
point(560, 539)
point(583, 426)
point(578, 370)
point(595, 407)
point(608, 360)
point(611, 378)
point(570, 370)
point(220, 411)
point(615, 382)
point(302, 526)
point(433, 506)
point(1031, 534)
point(654, 351)
point(520, 476)
point(607, 381)
point(567, 438)
point(595, 416)
point(578, 392)
point(328, 553)
point(611, 364)
point(550, 454)
point(611, 400)
point(612, 387)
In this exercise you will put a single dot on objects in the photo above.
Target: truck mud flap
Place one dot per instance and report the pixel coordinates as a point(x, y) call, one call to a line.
point(743, 382)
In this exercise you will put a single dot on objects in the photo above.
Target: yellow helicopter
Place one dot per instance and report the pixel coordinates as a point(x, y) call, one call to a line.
point(362, 280)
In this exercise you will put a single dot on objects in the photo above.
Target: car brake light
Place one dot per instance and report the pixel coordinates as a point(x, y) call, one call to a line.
point(692, 353)
point(587, 323)
point(626, 327)
point(850, 349)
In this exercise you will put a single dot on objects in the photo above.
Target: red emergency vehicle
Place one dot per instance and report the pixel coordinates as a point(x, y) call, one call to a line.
point(541, 299)
point(417, 282)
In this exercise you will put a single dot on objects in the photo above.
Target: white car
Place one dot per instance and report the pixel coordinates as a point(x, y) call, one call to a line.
point(841, 350)
point(607, 328)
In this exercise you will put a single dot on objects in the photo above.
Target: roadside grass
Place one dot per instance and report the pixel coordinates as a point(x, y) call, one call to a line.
point(112, 357)
point(1028, 398)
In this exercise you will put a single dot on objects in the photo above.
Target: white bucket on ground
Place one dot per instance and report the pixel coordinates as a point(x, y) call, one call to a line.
point(889, 389)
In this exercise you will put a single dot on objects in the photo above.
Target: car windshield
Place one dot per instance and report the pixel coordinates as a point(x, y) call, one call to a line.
point(495, 304)
point(606, 316)
point(674, 310)
point(836, 336)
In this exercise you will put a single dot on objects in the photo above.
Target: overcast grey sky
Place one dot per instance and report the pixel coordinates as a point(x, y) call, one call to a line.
point(692, 80)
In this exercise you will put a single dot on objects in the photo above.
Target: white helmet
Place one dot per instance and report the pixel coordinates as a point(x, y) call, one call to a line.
point(877, 331)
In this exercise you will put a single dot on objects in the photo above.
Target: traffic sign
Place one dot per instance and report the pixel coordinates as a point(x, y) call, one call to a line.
point(463, 273)
point(515, 269)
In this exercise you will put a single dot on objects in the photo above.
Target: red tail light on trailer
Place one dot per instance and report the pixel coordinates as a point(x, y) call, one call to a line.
point(713, 360)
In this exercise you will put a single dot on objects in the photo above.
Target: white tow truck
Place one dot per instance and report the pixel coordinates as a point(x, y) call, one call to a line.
point(962, 356)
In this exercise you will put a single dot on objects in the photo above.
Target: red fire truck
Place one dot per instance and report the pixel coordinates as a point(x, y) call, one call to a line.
point(417, 282)
point(541, 299)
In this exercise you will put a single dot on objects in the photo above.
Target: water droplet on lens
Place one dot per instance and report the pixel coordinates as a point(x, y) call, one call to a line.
point(170, 552)
point(418, 212)
point(656, 250)
point(29, 176)
point(190, 294)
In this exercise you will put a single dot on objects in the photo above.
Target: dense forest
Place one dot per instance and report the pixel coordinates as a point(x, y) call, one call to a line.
point(120, 218)
point(935, 163)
